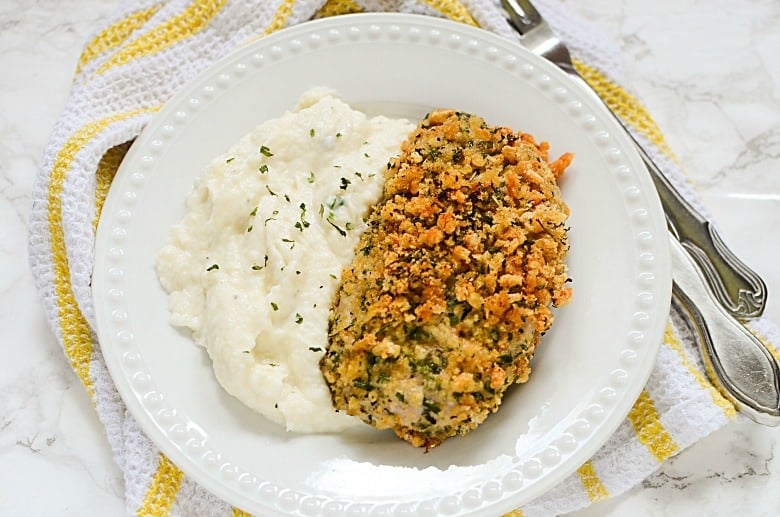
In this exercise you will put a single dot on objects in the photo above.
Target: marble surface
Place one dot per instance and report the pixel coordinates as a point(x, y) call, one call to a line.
point(707, 71)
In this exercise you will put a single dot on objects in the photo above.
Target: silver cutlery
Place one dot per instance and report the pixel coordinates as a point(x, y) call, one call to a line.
point(712, 286)
point(738, 288)
point(738, 363)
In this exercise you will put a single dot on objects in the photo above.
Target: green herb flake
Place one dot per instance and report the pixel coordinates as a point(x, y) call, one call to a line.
point(270, 191)
point(315, 349)
point(274, 306)
point(334, 277)
point(256, 267)
point(311, 132)
point(338, 135)
point(212, 267)
point(253, 212)
point(287, 198)
point(298, 318)
point(230, 159)
point(344, 183)
point(349, 226)
point(341, 232)
point(265, 151)
point(249, 229)
point(263, 168)
point(310, 179)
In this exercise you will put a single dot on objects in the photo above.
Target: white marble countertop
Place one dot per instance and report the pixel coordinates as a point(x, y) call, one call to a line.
point(708, 72)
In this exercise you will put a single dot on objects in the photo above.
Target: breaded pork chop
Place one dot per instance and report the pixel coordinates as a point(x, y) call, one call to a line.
point(451, 286)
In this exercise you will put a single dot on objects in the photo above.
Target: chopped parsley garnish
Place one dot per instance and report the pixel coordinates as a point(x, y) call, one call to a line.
point(257, 267)
point(344, 183)
point(253, 212)
point(315, 349)
point(311, 132)
point(349, 226)
point(265, 151)
point(303, 223)
point(270, 191)
point(298, 318)
point(274, 306)
point(287, 198)
point(310, 179)
point(338, 135)
point(212, 267)
point(334, 202)
point(342, 232)
point(250, 228)
point(230, 159)
point(263, 168)
point(290, 241)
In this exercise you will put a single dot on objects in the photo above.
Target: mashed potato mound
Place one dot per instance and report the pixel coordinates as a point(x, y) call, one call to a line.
point(254, 265)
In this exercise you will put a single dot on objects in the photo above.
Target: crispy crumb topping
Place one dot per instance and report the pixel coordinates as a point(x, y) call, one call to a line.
point(452, 282)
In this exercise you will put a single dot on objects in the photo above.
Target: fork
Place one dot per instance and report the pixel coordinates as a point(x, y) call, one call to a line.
point(739, 289)
point(712, 286)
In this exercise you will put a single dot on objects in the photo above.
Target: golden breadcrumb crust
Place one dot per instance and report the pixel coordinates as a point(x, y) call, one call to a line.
point(452, 283)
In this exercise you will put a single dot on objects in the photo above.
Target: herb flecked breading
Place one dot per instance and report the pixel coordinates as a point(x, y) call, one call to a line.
point(451, 286)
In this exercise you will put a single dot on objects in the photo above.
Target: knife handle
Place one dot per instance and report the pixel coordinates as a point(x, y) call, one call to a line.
point(737, 363)
point(739, 289)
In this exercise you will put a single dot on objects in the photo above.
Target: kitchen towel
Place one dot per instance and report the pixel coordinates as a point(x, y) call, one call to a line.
point(144, 54)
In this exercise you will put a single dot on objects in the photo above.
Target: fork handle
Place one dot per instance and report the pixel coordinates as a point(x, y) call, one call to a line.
point(739, 289)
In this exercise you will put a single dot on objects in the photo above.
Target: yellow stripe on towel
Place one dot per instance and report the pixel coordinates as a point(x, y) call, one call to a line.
point(336, 7)
point(281, 15)
point(624, 105)
point(593, 485)
point(671, 339)
point(650, 431)
point(162, 490)
point(114, 35)
point(453, 9)
point(106, 171)
point(75, 331)
point(190, 21)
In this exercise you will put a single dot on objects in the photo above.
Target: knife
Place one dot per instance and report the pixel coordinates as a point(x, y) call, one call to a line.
point(736, 361)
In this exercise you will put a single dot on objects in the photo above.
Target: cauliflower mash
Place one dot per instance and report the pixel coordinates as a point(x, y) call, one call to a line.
point(253, 267)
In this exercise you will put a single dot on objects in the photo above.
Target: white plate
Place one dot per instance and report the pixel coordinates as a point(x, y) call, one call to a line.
point(587, 373)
